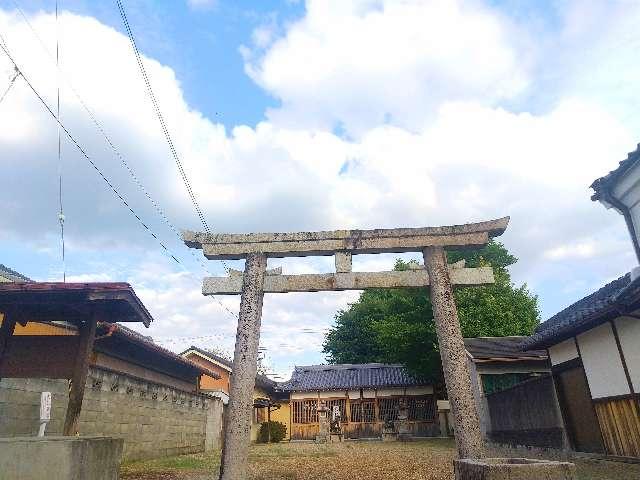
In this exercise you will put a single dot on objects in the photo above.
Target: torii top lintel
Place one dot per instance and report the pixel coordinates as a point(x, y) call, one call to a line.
point(305, 244)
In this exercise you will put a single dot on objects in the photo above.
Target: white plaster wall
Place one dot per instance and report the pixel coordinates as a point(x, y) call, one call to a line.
point(368, 394)
point(602, 362)
point(333, 394)
point(563, 352)
point(627, 191)
point(390, 392)
point(303, 395)
point(629, 335)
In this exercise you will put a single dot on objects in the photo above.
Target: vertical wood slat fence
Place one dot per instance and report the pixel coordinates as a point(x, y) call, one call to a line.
point(619, 421)
point(364, 417)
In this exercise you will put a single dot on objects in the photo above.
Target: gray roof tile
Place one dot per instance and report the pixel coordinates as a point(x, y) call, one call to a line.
point(349, 376)
point(501, 347)
point(584, 313)
point(12, 275)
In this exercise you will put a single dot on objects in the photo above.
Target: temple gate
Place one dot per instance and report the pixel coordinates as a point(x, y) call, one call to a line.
point(342, 244)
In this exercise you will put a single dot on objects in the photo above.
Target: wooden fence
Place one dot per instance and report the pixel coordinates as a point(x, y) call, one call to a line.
point(364, 418)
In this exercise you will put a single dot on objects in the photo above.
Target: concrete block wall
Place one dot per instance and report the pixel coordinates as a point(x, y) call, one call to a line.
point(154, 420)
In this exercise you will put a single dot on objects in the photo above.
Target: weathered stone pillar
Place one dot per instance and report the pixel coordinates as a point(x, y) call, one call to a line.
point(237, 425)
point(453, 355)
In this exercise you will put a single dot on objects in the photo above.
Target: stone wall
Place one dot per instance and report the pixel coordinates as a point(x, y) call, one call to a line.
point(153, 419)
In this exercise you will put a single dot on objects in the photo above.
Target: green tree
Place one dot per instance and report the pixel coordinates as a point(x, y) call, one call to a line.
point(396, 326)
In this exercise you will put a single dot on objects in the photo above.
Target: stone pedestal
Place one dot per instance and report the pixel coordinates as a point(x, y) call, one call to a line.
point(323, 422)
point(402, 424)
point(60, 458)
point(513, 469)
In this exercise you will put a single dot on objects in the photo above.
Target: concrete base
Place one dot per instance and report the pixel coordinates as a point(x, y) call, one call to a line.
point(60, 458)
point(322, 438)
point(513, 469)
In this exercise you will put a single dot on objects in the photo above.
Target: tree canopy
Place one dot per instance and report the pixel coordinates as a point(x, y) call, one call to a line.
point(396, 326)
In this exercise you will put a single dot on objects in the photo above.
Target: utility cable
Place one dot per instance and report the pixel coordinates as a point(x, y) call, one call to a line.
point(101, 129)
point(61, 217)
point(163, 124)
point(11, 82)
point(5, 49)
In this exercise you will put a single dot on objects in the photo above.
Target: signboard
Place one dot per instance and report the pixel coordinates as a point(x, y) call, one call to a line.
point(45, 406)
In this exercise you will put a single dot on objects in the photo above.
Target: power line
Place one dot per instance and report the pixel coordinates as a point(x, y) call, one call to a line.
point(99, 126)
point(5, 49)
point(156, 107)
point(61, 217)
point(11, 82)
point(101, 129)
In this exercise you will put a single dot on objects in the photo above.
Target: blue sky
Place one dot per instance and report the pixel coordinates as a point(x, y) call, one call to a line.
point(297, 115)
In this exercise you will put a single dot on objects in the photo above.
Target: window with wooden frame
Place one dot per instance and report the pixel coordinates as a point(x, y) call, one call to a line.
point(388, 409)
point(422, 408)
point(363, 411)
point(305, 411)
point(342, 404)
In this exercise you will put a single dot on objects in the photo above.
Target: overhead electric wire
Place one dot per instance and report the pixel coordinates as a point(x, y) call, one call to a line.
point(101, 129)
point(11, 82)
point(5, 49)
point(61, 217)
point(163, 124)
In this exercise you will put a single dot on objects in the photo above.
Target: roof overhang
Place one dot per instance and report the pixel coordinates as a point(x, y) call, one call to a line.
point(72, 302)
point(204, 356)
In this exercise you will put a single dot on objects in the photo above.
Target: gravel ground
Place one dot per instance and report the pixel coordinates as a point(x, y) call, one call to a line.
point(424, 460)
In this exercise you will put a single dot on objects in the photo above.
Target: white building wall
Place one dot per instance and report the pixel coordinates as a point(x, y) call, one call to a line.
point(627, 191)
point(629, 335)
point(563, 352)
point(602, 363)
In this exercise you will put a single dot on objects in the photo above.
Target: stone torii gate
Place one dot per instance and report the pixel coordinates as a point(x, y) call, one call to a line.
point(256, 281)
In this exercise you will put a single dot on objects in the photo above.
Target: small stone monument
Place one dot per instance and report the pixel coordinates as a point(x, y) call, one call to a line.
point(335, 427)
point(402, 424)
point(323, 420)
point(389, 433)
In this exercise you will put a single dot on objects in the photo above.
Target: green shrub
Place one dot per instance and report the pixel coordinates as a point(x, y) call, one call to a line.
point(278, 432)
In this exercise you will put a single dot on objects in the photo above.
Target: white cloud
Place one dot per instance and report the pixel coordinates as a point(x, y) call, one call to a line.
point(202, 4)
point(578, 250)
point(361, 63)
point(449, 154)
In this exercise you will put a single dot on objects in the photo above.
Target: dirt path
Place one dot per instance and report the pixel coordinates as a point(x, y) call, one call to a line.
point(425, 460)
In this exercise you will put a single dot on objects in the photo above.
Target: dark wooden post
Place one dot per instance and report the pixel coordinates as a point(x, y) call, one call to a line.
point(6, 332)
point(87, 333)
point(269, 422)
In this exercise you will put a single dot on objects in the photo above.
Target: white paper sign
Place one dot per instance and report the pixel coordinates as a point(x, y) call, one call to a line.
point(45, 406)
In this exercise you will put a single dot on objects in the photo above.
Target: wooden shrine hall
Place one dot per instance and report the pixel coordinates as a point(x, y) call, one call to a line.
point(82, 305)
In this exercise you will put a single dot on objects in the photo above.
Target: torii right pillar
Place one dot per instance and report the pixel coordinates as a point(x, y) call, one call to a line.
point(453, 354)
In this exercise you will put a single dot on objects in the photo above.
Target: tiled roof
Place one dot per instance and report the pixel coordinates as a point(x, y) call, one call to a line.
point(213, 356)
point(349, 376)
point(485, 348)
point(601, 185)
point(585, 313)
point(12, 275)
point(107, 329)
point(262, 381)
point(59, 298)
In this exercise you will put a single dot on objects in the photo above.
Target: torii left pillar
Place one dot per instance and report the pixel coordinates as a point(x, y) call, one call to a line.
point(237, 425)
